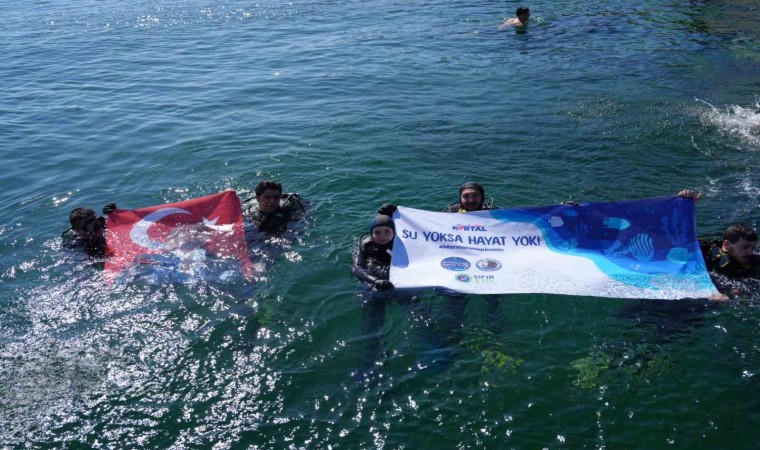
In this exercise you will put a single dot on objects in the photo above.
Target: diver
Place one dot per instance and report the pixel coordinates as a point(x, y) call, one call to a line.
point(271, 221)
point(731, 260)
point(371, 260)
point(471, 198)
point(370, 263)
point(733, 256)
point(272, 210)
point(87, 232)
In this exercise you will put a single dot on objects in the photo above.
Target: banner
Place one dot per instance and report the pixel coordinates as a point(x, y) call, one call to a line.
point(200, 239)
point(633, 249)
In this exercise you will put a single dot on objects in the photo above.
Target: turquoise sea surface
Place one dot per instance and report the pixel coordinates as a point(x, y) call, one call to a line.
point(354, 104)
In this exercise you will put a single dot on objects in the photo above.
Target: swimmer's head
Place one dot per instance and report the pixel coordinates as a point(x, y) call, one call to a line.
point(523, 13)
point(382, 229)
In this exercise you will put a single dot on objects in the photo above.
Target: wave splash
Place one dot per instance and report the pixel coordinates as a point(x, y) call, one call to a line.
point(738, 121)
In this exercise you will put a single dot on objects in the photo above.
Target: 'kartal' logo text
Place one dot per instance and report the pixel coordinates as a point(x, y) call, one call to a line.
point(472, 227)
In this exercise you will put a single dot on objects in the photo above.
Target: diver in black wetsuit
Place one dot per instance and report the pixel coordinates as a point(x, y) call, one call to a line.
point(273, 210)
point(733, 265)
point(271, 221)
point(472, 197)
point(88, 232)
point(733, 256)
point(371, 260)
point(371, 263)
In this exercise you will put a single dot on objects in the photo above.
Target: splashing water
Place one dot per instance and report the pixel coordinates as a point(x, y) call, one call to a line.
point(735, 120)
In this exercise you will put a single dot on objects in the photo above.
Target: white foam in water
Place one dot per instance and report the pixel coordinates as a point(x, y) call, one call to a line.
point(735, 120)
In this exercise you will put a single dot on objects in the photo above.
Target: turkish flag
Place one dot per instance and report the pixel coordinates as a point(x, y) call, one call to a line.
point(186, 236)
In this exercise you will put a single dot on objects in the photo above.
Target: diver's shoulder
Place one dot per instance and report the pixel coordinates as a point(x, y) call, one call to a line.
point(453, 207)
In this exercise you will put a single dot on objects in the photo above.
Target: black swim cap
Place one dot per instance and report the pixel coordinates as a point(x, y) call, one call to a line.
point(381, 220)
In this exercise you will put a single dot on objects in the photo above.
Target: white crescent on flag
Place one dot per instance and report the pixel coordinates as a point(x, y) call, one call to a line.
point(139, 233)
point(177, 242)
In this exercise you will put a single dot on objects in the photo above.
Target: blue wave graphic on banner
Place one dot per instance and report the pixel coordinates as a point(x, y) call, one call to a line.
point(628, 240)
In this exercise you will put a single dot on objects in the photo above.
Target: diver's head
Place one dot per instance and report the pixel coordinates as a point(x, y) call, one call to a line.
point(382, 229)
point(471, 196)
point(86, 223)
point(523, 14)
point(268, 195)
point(739, 243)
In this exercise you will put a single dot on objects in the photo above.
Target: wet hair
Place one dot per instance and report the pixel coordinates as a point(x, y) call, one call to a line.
point(267, 184)
point(381, 220)
point(85, 219)
point(79, 217)
point(522, 10)
point(740, 231)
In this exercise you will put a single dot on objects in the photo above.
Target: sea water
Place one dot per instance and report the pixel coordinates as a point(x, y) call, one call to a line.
point(354, 104)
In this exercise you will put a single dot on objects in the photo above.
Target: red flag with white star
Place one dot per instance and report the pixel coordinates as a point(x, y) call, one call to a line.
point(185, 238)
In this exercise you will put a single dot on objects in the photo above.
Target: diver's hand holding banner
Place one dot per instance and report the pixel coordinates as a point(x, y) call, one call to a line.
point(633, 249)
point(200, 239)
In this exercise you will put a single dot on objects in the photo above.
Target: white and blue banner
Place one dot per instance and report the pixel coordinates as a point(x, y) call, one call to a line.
point(632, 249)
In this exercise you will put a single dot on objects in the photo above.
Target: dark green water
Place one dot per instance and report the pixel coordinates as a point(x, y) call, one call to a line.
point(353, 104)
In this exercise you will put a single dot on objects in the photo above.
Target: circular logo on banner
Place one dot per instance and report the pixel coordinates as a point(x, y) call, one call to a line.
point(488, 265)
point(464, 278)
point(456, 264)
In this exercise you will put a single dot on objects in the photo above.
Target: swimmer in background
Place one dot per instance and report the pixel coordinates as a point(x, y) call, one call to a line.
point(522, 14)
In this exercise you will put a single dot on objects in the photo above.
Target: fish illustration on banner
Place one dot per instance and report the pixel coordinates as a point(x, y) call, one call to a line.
point(201, 239)
point(632, 249)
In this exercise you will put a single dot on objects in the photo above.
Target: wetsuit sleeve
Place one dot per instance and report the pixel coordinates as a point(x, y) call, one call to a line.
point(755, 267)
point(69, 240)
point(709, 254)
point(452, 208)
point(704, 247)
point(359, 264)
point(249, 214)
point(294, 211)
